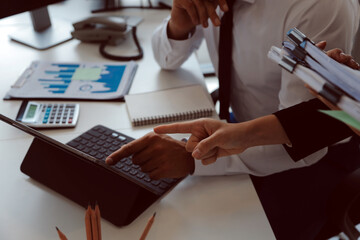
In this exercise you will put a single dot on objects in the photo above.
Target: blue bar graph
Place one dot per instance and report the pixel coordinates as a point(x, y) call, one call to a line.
point(58, 78)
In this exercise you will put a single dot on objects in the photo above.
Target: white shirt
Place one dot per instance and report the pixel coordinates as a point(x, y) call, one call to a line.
point(259, 87)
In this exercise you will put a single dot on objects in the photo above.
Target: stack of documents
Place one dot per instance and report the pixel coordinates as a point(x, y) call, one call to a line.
point(337, 83)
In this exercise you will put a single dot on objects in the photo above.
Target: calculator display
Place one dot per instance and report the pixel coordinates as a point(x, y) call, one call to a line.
point(31, 111)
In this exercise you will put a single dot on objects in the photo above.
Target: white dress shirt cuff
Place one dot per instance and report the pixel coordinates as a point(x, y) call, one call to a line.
point(223, 166)
point(180, 45)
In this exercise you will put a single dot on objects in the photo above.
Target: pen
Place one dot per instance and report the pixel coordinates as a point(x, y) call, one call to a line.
point(61, 235)
point(148, 226)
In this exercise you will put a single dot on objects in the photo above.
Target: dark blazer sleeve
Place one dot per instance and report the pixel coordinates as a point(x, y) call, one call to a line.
point(310, 130)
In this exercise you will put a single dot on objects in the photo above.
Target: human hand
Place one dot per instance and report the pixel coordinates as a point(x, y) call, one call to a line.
point(158, 155)
point(210, 139)
point(186, 14)
point(338, 55)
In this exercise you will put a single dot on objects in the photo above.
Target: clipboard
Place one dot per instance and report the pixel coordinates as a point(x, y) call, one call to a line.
point(44, 80)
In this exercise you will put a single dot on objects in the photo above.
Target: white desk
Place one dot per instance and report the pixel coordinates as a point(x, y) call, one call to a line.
point(198, 208)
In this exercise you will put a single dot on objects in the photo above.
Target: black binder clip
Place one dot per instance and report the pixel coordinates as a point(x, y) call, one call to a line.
point(297, 37)
point(288, 63)
point(331, 93)
point(295, 51)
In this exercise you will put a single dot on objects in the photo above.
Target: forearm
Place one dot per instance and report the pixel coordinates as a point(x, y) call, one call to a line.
point(266, 130)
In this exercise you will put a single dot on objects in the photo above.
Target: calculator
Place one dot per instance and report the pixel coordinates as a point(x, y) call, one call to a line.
point(48, 115)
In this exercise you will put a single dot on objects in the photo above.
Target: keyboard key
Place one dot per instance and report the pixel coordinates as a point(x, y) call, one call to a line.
point(96, 147)
point(93, 153)
point(133, 172)
point(140, 175)
point(119, 165)
point(122, 138)
point(81, 147)
point(86, 136)
point(126, 168)
point(108, 132)
point(101, 130)
point(163, 185)
point(168, 180)
point(147, 179)
point(155, 182)
point(73, 144)
point(94, 133)
point(86, 150)
point(113, 148)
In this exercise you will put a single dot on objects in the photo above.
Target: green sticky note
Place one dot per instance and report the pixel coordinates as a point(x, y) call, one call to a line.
point(86, 74)
point(343, 117)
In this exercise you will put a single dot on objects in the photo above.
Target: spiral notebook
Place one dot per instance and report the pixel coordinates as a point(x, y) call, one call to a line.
point(176, 104)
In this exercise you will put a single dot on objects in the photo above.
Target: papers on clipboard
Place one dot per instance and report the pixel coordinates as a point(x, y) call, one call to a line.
point(86, 81)
point(336, 82)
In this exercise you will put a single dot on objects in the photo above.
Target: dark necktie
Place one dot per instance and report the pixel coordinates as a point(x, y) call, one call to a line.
point(225, 60)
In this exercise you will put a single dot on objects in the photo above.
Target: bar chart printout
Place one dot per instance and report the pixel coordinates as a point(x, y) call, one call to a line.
point(74, 80)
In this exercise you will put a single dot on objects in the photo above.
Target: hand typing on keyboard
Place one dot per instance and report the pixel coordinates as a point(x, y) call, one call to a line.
point(158, 155)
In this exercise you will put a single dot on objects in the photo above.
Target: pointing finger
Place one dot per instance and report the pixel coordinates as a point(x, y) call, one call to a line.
point(127, 150)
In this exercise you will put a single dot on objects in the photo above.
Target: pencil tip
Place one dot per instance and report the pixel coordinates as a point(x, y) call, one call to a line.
point(57, 229)
point(154, 214)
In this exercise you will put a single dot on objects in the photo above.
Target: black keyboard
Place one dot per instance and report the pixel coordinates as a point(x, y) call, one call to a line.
point(99, 142)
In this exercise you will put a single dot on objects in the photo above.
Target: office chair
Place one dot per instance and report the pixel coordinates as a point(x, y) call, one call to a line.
point(343, 209)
